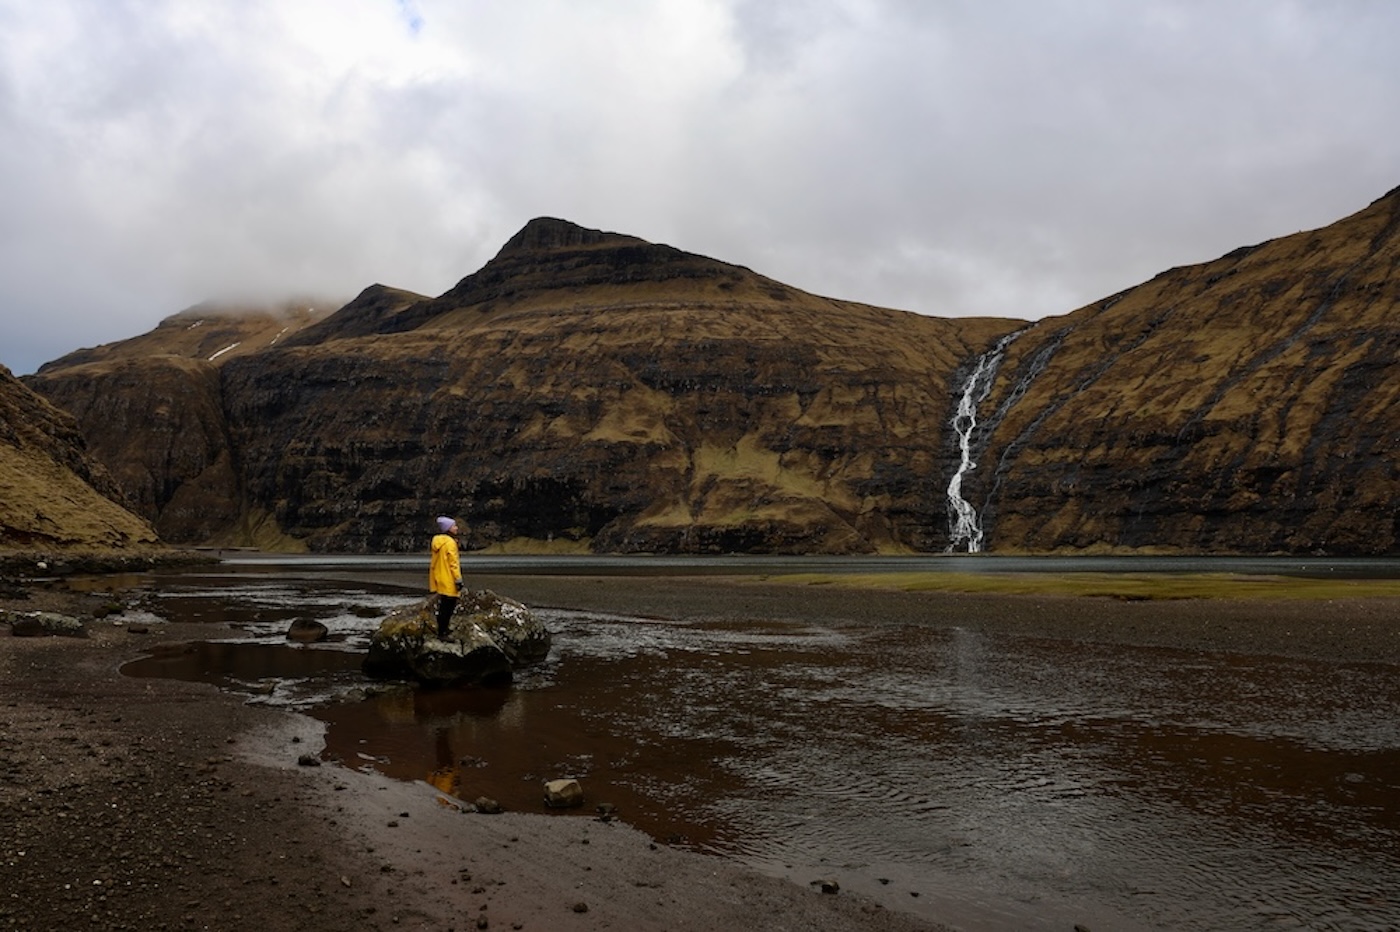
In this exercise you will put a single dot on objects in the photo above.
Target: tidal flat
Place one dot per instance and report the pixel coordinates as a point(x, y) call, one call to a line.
point(978, 760)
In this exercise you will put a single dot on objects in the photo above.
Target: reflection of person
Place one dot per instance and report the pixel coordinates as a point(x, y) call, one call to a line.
point(445, 572)
point(444, 777)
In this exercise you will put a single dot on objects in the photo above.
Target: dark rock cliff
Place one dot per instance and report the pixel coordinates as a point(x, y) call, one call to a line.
point(158, 422)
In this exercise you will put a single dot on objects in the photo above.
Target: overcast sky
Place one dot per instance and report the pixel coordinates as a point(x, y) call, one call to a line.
point(952, 157)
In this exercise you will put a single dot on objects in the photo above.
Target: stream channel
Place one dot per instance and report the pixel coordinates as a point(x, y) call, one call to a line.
point(1000, 781)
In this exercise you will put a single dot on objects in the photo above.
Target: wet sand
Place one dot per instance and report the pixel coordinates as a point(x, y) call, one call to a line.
point(157, 804)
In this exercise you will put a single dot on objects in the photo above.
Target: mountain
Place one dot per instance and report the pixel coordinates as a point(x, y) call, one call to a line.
point(53, 495)
point(151, 409)
point(211, 331)
point(587, 389)
point(1249, 404)
point(583, 389)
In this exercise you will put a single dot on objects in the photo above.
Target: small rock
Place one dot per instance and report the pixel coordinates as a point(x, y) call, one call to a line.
point(580, 907)
point(827, 885)
point(487, 806)
point(563, 794)
point(309, 760)
point(306, 631)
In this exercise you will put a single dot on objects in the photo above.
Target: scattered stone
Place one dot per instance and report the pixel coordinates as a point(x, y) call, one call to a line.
point(43, 624)
point(580, 907)
point(487, 806)
point(563, 794)
point(306, 631)
point(138, 629)
point(309, 760)
point(827, 885)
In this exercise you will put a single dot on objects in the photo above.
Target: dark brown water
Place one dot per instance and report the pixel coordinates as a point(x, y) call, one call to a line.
point(1008, 781)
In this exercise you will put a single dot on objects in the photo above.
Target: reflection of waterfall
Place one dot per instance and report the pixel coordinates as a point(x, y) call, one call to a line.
point(965, 526)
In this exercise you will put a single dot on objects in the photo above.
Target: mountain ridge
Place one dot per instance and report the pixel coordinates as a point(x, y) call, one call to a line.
point(590, 390)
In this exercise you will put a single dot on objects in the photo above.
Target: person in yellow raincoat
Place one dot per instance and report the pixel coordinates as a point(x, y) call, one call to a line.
point(445, 572)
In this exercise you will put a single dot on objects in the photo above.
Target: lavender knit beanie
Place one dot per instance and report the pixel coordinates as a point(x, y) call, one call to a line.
point(445, 524)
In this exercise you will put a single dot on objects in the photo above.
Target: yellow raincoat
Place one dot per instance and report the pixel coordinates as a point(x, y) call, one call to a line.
point(445, 571)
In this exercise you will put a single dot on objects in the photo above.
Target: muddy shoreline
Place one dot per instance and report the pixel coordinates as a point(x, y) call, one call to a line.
point(153, 804)
point(163, 805)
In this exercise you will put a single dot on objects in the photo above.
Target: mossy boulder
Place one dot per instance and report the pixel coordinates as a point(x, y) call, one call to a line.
point(488, 639)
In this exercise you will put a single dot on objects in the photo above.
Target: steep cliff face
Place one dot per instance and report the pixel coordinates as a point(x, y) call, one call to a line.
point(158, 422)
point(1245, 405)
point(151, 409)
point(53, 496)
point(594, 389)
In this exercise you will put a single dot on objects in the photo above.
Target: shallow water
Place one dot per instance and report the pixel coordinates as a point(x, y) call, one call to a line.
point(1016, 780)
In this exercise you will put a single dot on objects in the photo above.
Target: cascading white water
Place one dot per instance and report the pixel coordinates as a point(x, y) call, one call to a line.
point(965, 524)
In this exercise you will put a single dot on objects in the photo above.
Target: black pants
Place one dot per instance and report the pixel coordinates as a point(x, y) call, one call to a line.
point(446, 603)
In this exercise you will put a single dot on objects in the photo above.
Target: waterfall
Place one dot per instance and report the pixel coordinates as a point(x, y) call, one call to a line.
point(965, 526)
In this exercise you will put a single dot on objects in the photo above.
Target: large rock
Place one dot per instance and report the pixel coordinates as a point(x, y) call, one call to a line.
point(490, 636)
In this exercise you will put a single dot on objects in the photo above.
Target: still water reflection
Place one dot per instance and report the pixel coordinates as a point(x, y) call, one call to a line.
point(1168, 789)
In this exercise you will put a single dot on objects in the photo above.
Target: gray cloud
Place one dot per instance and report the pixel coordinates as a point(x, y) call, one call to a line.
point(1018, 158)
